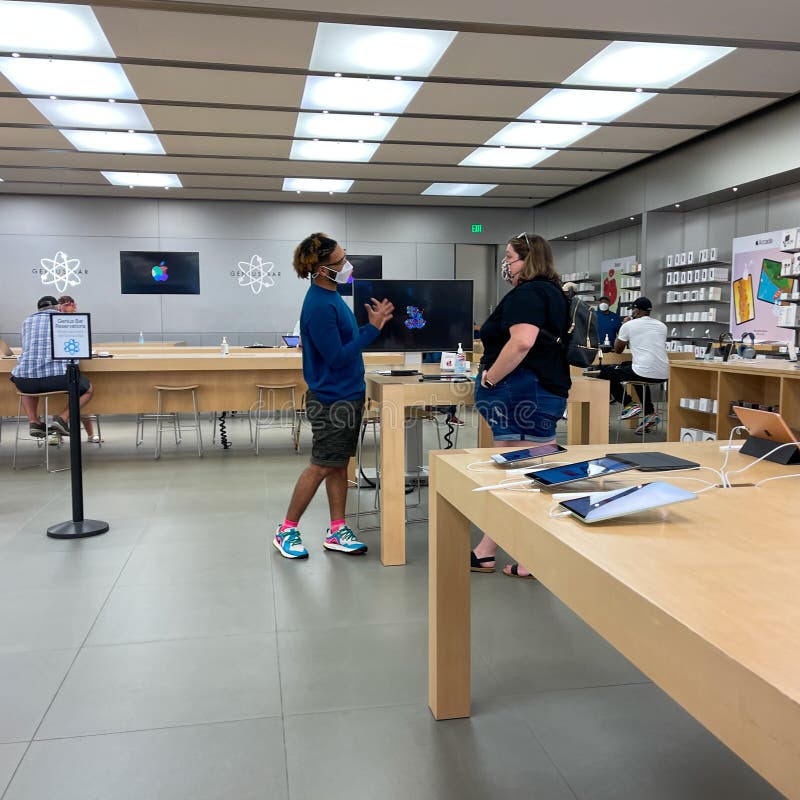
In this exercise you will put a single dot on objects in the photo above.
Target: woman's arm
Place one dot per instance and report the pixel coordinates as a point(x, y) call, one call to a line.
point(516, 348)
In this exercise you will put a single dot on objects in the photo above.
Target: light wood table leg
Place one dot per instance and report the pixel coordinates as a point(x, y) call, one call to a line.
point(393, 477)
point(448, 607)
point(484, 433)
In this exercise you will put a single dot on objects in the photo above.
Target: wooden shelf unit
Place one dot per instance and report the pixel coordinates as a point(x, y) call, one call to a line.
point(767, 382)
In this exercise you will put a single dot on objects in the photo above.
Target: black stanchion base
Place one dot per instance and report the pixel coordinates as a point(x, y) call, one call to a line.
point(77, 530)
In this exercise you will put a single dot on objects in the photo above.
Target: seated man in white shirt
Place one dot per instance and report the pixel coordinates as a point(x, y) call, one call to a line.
point(647, 339)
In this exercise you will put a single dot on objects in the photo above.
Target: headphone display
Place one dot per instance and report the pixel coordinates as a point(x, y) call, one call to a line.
point(747, 351)
point(725, 344)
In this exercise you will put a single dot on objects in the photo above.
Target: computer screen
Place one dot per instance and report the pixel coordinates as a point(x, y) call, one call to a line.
point(428, 315)
point(363, 267)
point(152, 272)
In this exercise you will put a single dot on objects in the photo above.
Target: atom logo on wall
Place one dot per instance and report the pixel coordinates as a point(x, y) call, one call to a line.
point(60, 271)
point(257, 274)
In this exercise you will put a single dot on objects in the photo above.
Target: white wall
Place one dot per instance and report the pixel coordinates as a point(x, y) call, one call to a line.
point(414, 242)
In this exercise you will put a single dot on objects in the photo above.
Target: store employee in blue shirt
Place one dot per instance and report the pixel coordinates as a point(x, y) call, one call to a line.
point(333, 368)
point(608, 323)
point(36, 372)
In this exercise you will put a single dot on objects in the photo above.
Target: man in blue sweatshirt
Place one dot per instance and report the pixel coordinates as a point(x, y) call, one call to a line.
point(333, 368)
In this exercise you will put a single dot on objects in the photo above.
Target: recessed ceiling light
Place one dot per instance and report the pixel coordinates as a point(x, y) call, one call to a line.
point(459, 189)
point(677, 205)
point(94, 114)
point(337, 74)
point(632, 219)
point(330, 185)
point(566, 237)
point(148, 179)
point(735, 189)
point(51, 28)
point(377, 50)
point(343, 126)
point(2, 179)
point(578, 105)
point(114, 141)
point(67, 78)
point(398, 77)
point(523, 134)
point(111, 100)
point(333, 151)
point(495, 157)
point(53, 97)
point(358, 94)
point(15, 55)
point(653, 64)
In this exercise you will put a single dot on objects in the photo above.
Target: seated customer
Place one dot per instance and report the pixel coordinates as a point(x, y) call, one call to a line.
point(608, 323)
point(647, 339)
point(36, 371)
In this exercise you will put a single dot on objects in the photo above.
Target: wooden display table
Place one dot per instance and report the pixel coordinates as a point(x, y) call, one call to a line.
point(587, 422)
point(768, 382)
point(703, 597)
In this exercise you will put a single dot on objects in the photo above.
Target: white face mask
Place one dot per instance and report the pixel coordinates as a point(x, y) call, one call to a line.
point(343, 275)
point(603, 306)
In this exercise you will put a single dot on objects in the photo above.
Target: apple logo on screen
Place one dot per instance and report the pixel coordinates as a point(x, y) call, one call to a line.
point(159, 272)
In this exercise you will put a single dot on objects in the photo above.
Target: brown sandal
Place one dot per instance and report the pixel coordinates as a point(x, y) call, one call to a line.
point(476, 564)
point(513, 572)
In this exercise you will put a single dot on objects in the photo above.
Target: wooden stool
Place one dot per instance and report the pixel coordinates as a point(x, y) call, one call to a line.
point(261, 422)
point(174, 417)
point(46, 396)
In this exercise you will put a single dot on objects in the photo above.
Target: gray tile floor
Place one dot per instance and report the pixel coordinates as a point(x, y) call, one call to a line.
point(178, 656)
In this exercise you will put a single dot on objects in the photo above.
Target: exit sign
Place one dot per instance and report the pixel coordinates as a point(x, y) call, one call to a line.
point(477, 228)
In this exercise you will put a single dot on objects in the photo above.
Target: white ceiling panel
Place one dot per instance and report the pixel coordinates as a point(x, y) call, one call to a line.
point(215, 86)
point(179, 36)
point(511, 57)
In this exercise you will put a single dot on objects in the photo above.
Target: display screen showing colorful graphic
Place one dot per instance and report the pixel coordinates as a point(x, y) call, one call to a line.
point(429, 316)
point(771, 284)
point(743, 305)
point(151, 272)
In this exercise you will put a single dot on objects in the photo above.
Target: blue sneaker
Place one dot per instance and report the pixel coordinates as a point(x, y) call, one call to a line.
point(344, 540)
point(289, 544)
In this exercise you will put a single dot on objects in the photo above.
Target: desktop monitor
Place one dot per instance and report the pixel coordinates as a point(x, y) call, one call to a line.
point(364, 267)
point(428, 315)
point(155, 272)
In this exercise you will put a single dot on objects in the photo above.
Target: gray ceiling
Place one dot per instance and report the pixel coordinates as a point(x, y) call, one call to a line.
point(222, 86)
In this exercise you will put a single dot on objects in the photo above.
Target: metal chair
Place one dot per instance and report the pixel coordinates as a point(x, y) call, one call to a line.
point(46, 397)
point(174, 417)
point(260, 420)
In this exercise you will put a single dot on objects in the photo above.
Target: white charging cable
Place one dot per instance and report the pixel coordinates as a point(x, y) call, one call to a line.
point(726, 484)
point(761, 458)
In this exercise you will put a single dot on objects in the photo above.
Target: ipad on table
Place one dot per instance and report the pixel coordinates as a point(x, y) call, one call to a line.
point(602, 467)
point(653, 461)
point(600, 506)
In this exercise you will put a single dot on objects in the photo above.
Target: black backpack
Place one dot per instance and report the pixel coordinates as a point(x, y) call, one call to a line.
point(581, 342)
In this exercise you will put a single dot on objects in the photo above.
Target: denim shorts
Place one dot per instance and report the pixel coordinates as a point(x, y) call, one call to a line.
point(520, 408)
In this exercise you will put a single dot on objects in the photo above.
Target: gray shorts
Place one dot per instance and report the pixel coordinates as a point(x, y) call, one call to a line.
point(335, 428)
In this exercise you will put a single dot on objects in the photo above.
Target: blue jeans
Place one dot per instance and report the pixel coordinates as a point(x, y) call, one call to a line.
point(519, 407)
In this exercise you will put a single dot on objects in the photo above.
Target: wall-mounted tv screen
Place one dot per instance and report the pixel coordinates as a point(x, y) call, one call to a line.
point(428, 315)
point(151, 272)
point(364, 267)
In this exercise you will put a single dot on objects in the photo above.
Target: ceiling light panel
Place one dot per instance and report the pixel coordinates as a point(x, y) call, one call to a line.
point(652, 64)
point(114, 142)
point(459, 189)
point(51, 29)
point(505, 157)
point(585, 105)
point(332, 151)
point(159, 180)
point(344, 126)
point(67, 78)
point(94, 114)
point(378, 51)
point(529, 134)
point(316, 185)
point(359, 94)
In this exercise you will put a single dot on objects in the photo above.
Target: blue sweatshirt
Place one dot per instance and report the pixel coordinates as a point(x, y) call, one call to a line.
point(333, 366)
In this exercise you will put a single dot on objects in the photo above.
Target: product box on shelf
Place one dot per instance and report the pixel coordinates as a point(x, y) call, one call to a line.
point(712, 254)
point(690, 257)
point(697, 275)
point(786, 266)
point(718, 273)
point(693, 295)
point(789, 239)
point(669, 279)
point(704, 275)
point(714, 293)
point(701, 293)
point(796, 264)
point(690, 435)
point(712, 314)
point(704, 255)
point(686, 296)
point(787, 316)
point(669, 261)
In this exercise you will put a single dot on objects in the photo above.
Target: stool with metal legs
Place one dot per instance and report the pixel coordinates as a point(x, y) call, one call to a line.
point(371, 419)
point(261, 422)
point(45, 396)
point(95, 420)
point(643, 389)
point(174, 417)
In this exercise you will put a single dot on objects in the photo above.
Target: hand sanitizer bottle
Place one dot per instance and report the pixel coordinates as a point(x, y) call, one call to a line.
point(223, 348)
point(461, 360)
point(606, 342)
point(141, 337)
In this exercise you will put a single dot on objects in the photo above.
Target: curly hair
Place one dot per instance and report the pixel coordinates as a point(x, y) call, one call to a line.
point(311, 251)
point(538, 257)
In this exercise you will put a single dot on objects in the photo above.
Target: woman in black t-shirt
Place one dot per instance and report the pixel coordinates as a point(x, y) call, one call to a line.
point(524, 375)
